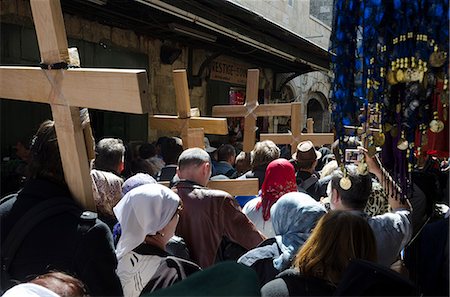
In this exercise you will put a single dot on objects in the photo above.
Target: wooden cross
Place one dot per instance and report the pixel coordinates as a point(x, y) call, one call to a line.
point(295, 136)
point(192, 128)
point(235, 187)
point(251, 110)
point(68, 89)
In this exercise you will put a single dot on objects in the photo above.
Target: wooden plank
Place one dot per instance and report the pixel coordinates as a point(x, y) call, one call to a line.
point(50, 31)
point(229, 111)
point(194, 138)
point(182, 93)
point(280, 138)
point(251, 102)
point(251, 91)
point(249, 133)
point(73, 153)
point(174, 124)
point(106, 89)
point(236, 187)
point(263, 110)
point(296, 124)
point(273, 109)
point(310, 125)
point(210, 125)
point(318, 139)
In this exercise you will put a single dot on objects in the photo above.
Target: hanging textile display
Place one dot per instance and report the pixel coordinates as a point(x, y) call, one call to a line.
point(390, 66)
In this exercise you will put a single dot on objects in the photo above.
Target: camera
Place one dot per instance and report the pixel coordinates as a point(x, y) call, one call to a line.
point(353, 156)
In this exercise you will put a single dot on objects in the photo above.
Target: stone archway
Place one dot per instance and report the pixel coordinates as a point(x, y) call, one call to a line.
point(317, 108)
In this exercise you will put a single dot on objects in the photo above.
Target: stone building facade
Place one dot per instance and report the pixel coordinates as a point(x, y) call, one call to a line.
point(109, 46)
point(311, 19)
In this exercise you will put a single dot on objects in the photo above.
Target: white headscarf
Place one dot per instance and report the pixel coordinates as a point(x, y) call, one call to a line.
point(144, 210)
point(29, 290)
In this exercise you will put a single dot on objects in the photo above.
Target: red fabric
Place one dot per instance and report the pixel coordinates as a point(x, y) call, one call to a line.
point(438, 143)
point(279, 180)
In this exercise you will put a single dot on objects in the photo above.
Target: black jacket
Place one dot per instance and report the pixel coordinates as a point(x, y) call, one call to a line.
point(56, 243)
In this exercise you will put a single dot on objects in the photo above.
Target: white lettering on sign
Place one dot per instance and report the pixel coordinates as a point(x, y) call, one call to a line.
point(229, 71)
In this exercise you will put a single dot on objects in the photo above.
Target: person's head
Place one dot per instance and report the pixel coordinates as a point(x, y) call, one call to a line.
point(159, 143)
point(137, 180)
point(109, 155)
point(170, 151)
point(354, 198)
point(279, 180)
point(22, 150)
point(226, 153)
point(147, 150)
point(293, 216)
point(324, 159)
point(242, 163)
point(263, 153)
point(146, 213)
point(62, 284)
point(194, 164)
point(45, 158)
point(208, 148)
point(338, 238)
point(306, 156)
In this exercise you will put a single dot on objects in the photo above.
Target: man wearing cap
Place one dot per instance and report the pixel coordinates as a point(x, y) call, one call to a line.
point(306, 158)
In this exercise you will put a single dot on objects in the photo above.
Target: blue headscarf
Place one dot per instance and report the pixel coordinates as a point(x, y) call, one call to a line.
point(294, 216)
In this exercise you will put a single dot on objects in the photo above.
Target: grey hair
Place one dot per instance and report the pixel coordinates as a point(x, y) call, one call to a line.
point(109, 153)
point(263, 153)
point(193, 157)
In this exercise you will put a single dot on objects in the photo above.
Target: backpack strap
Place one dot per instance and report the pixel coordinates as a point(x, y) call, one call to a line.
point(25, 225)
point(307, 183)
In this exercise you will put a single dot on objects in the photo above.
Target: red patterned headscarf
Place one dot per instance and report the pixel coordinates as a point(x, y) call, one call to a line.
point(279, 180)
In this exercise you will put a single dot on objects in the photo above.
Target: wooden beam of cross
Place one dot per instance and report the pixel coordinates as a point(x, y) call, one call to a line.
point(192, 128)
point(67, 90)
point(251, 110)
point(235, 187)
point(295, 136)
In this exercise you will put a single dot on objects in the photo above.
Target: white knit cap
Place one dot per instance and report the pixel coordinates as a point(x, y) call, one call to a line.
point(143, 211)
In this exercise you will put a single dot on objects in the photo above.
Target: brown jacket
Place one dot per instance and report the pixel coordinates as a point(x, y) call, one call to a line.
point(208, 216)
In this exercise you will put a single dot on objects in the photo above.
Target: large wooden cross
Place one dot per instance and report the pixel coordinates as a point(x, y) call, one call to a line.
point(295, 136)
point(191, 128)
point(251, 110)
point(68, 89)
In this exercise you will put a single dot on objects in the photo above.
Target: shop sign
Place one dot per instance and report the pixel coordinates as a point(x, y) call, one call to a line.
point(227, 70)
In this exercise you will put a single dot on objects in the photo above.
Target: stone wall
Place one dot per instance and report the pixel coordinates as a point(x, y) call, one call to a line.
point(161, 89)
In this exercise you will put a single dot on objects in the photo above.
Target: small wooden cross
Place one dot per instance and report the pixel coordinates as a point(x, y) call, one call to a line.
point(192, 128)
point(68, 89)
point(251, 110)
point(295, 136)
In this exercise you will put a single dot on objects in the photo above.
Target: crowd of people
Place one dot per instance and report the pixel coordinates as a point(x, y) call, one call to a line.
point(316, 227)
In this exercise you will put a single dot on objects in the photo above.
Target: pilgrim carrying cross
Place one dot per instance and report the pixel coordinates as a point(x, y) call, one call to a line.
point(68, 89)
point(192, 128)
point(295, 136)
point(251, 110)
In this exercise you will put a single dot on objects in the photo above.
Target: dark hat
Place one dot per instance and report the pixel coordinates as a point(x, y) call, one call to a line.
point(306, 151)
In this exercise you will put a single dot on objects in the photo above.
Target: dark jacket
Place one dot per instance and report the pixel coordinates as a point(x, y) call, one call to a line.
point(261, 258)
point(56, 243)
point(317, 189)
point(170, 270)
point(291, 283)
point(207, 218)
point(259, 173)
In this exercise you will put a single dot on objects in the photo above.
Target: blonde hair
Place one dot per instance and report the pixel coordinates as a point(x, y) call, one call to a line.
point(339, 237)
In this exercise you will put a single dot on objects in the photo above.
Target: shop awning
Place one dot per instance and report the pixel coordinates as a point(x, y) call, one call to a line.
point(221, 27)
